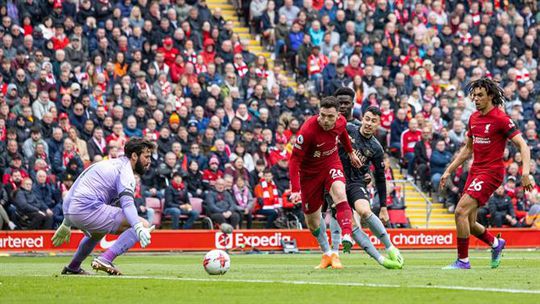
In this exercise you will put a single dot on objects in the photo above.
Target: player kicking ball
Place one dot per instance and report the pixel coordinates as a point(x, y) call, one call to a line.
point(89, 207)
point(369, 151)
point(315, 167)
point(489, 129)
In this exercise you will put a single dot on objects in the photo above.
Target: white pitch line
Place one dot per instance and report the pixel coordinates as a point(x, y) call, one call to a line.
point(348, 284)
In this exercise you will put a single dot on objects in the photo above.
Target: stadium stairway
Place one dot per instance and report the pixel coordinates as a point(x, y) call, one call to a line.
point(229, 14)
point(416, 208)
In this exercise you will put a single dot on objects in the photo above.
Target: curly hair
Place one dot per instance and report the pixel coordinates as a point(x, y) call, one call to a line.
point(492, 89)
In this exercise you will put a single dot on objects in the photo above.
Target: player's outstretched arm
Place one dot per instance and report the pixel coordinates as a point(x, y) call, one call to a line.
point(526, 158)
point(464, 154)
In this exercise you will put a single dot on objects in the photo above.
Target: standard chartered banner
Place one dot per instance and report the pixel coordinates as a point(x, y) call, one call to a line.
point(200, 240)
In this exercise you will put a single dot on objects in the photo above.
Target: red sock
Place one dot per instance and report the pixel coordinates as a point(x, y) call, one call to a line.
point(486, 237)
point(463, 248)
point(344, 216)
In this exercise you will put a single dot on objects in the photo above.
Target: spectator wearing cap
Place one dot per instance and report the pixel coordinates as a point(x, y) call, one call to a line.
point(177, 203)
point(75, 54)
point(40, 216)
point(30, 144)
point(12, 96)
point(169, 51)
point(210, 175)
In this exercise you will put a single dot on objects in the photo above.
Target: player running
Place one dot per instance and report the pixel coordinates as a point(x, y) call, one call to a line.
point(369, 151)
point(489, 129)
point(315, 167)
point(89, 207)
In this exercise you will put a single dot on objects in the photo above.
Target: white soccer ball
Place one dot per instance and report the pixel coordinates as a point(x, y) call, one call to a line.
point(216, 262)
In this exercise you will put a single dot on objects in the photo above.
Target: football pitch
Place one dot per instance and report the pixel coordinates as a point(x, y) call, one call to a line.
point(276, 278)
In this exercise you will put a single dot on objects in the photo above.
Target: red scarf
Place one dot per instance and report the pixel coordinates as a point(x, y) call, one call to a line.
point(241, 69)
point(178, 186)
point(66, 157)
point(261, 73)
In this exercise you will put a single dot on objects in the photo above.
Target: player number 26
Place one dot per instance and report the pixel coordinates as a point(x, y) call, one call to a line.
point(475, 185)
point(335, 173)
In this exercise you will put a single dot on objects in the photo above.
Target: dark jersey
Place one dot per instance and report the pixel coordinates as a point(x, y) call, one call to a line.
point(369, 151)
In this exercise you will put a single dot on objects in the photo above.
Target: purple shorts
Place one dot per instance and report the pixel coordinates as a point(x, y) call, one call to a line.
point(105, 219)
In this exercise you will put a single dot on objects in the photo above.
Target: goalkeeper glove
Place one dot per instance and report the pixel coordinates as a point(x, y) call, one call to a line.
point(143, 233)
point(62, 234)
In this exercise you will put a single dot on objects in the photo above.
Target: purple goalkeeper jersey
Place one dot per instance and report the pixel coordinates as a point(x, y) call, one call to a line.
point(102, 183)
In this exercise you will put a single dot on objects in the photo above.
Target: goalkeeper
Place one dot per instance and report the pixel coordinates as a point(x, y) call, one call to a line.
point(89, 206)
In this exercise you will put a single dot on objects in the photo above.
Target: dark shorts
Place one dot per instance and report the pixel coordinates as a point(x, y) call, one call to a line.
point(313, 187)
point(481, 186)
point(356, 191)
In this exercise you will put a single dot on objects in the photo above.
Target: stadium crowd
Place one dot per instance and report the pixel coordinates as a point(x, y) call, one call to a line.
point(78, 78)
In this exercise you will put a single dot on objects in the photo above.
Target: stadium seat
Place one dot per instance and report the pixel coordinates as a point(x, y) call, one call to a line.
point(398, 217)
point(157, 205)
point(197, 204)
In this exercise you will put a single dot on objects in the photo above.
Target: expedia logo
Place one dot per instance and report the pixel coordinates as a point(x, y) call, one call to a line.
point(224, 241)
point(239, 239)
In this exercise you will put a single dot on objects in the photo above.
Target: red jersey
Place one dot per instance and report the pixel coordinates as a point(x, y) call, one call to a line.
point(489, 134)
point(316, 149)
point(409, 139)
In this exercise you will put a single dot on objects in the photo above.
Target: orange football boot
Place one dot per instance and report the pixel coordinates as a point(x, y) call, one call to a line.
point(336, 262)
point(326, 262)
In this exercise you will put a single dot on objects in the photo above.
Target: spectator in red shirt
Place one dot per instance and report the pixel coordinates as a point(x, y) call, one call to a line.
point(409, 138)
point(60, 40)
point(315, 65)
point(212, 174)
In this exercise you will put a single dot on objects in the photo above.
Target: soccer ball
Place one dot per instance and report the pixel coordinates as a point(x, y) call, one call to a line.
point(216, 262)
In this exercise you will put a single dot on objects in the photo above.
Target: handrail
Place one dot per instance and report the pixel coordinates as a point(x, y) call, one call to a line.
point(429, 204)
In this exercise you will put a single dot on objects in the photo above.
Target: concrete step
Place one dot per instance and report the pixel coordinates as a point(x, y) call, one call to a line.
point(432, 217)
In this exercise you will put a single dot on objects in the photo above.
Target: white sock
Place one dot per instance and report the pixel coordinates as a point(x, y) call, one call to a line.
point(495, 243)
point(380, 259)
point(328, 253)
point(465, 260)
point(334, 252)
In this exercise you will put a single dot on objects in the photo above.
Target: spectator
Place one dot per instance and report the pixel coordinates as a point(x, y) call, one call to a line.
point(38, 213)
point(244, 200)
point(177, 203)
point(267, 196)
point(46, 193)
point(409, 138)
point(440, 158)
point(422, 155)
point(220, 205)
point(212, 174)
point(501, 209)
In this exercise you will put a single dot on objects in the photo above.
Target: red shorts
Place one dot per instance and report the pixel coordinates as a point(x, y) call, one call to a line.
point(313, 186)
point(481, 186)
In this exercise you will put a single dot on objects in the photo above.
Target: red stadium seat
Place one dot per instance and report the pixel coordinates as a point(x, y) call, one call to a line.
point(398, 217)
point(157, 205)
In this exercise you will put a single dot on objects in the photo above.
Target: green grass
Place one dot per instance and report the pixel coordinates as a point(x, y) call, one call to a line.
point(180, 278)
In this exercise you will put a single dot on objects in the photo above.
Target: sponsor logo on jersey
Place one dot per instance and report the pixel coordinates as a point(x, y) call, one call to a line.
point(481, 140)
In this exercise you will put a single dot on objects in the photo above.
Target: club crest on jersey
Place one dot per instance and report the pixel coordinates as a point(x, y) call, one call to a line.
point(368, 153)
point(300, 139)
point(487, 128)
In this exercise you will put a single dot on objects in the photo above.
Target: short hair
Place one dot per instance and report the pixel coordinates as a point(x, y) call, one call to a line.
point(138, 145)
point(330, 102)
point(492, 89)
point(374, 110)
point(344, 91)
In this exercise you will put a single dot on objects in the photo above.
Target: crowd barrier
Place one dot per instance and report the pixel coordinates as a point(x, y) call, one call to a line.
point(201, 240)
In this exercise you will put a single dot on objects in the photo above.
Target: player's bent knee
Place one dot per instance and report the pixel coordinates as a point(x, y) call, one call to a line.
point(362, 208)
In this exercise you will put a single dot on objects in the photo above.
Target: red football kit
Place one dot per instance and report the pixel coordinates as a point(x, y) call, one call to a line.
point(315, 165)
point(489, 134)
